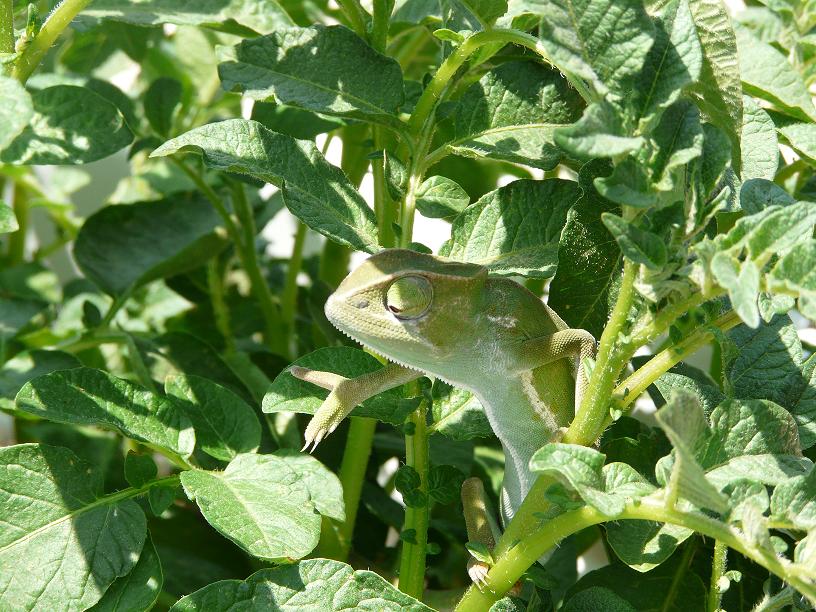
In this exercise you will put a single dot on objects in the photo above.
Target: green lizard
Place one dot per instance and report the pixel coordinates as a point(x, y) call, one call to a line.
point(488, 335)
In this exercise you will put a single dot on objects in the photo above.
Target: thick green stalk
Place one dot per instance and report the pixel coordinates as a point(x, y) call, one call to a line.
point(57, 21)
point(412, 559)
point(215, 284)
point(718, 565)
point(511, 566)
point(6, 26)
point(356, 14)
point(290, 290)
point(379, 24)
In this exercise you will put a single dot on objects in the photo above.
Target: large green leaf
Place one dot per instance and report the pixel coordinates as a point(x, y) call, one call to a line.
point(70, 125)
point(16, 110)
point(767, 74)
point(719, 89)
point(599, 133)
point(677, 139)
point(139, 589)
point(288, 393)
point(603, 41)
point(510, 114)
point(121, 247)
point(314, 190)
point(315, 584)
point(61, 546)
point(84, 396)
point(588, 260)
point(269, 505)
point(326, 69)
point(233, 16)
point(224, 424)
point(760, 149)
point(515, 229)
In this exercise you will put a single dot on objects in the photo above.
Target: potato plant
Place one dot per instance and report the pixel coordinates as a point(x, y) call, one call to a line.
point(645, 167)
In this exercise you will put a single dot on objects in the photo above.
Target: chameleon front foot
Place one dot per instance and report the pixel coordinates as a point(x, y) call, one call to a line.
point(478, 573)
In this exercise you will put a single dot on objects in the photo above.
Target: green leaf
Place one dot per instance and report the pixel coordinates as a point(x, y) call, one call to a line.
point(599, 133)
point(315, 584)
point(265, 503)
point(511, 113)
point(325, 69)
point(445, 484)
point(8, 220)
point(602, 41)
point(479, 13)
point(758, 194)
point(458, 414)
point(231, 16)
point(767, 74)
point(139, 589)
point(597, 598)
point(509, 230)
point(124, 246)
point(139, 469)
point(794, 501)
point(627, 185)
point(16, 111)
point(673, 63)
point(314, 190)
point(719, 90)
point(84, 396)
point(70, 125)
point(480, 552)
point(683, 421)
point(439, 197)
point(15, 315)
point(795, 274)
point(643, 545)
point(640, 246)
point(26, 366)
point(742, 282)
point(802, 138)
point(61, 546)
point(224, 424)
point(588, 260)
point(162, 102)
point(678, 139)
point(694, 380)
point(288, 393)
point(760, 149)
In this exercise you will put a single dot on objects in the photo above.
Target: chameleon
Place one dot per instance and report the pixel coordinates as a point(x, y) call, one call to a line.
point(428, 315)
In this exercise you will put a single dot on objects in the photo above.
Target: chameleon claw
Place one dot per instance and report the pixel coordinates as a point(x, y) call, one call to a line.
point(478, 574)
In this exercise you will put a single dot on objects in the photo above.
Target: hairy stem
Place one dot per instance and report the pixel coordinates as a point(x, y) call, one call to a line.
point(718, 565)
point(412, 559)
point(290, 290)
point(511, 566)
point(57, 21)
point(379, 24)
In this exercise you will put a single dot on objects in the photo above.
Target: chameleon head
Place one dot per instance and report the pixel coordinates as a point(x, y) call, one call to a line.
point(413, 308)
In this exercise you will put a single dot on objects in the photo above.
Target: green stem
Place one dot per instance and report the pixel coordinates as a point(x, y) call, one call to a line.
point(356, 15)
point(718, 565)
point(17, 240)
point(290, 290)
point(379, 24)
point(412, 559)
point(383, 207)
point(215, 284)
point(6, 26)
point(591, 415)
point(57, 21)
point(509, 568)
point(117, 304)
point(138, 365)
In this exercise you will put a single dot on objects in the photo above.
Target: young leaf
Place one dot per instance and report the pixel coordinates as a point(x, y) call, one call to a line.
point(84, 396)
point(794, 501)
point(288, 393)
point(439, 197)
point(760, 149)
point(678, 138)
point(8, 220)
point(640, 246)
point(265, 503)
point(123, 247)
point(514, 229)
point(599, 133)
point(458, 414)
point(325, 69)
point(314, 190)
point(224, 424)
point(602, 41)
point(230, 16)
point(66, 545)
point(479, 14)
point(162, 101)
point(70, 125)
point(795, 274)
point(510, 114)
point(628, 185)
point(314, 584)
point(139, 589)
point(16, 110)
point(643, 545)
point(802, 138)
point(767, 74)
point(139, 469)
point(719, 90)
point(742, 282)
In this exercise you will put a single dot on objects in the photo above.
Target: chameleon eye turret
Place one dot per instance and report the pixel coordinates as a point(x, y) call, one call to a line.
point(409, 297)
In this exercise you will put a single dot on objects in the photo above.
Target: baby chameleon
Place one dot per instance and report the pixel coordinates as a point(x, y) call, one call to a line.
point(490, 336)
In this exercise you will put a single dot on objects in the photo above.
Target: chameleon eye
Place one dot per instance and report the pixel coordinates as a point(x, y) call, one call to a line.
point(409, 297)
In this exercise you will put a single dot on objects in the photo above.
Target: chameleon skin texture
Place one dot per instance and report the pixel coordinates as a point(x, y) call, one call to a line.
point(475, 332)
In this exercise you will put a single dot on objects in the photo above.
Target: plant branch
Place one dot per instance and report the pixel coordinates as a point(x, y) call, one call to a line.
point(379, 24)
point(57, 21)
point(718, 565)
point(6, 26)
point(356, 15)
point(215, 285)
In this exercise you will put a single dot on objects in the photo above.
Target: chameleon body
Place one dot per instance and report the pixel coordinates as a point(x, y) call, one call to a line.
point(450, 320)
